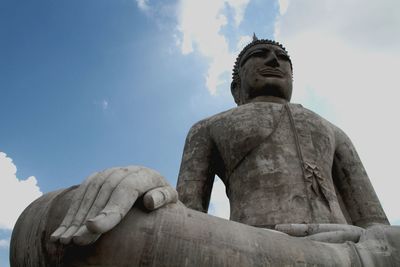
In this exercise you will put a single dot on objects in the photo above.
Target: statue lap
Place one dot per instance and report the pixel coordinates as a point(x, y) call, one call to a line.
point(178, 236)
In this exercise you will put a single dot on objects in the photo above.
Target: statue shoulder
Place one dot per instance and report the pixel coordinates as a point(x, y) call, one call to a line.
point(340, 136)
point(205, 124)
point(309, 114)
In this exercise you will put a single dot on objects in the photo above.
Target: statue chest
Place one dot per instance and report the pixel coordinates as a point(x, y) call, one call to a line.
point(240, 133)
point(283, 156)
point(242, 129)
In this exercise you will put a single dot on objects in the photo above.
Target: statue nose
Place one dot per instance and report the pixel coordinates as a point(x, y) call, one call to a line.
point(271, 60)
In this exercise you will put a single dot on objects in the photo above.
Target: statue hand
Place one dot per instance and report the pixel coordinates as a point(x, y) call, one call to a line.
point(104, 198)
point(330, 233)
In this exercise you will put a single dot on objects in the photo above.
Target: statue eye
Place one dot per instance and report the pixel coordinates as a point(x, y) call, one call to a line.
point(258, 53)
point(283, 57)
point(255, 53)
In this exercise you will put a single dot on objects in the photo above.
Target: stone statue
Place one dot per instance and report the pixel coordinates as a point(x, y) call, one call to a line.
point(298, 192)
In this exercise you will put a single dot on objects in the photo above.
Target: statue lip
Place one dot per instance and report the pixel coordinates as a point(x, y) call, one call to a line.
point(270, 72)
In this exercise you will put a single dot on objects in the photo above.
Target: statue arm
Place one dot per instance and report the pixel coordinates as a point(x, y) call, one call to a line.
point(354, 186)
point(196, 174)
point(361, 204)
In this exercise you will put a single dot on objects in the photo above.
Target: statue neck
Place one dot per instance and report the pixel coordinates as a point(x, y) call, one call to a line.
point(267, 98)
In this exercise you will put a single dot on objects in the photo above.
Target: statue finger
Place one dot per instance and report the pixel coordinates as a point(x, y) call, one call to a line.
point(86, 202)
point(84, 237)
point(105, 192)
point(75, 203)
point(331, 227)
point(293, 229)
point(159, 197)
point(66, 237)
point(90, 196)
point(311, 229)
point(335, 237)
point(120, 202)
point(55, 236)
point(149, 179)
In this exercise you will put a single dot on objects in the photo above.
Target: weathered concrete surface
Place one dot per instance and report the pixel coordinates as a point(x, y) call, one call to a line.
point(255, 149)
point(177, 236)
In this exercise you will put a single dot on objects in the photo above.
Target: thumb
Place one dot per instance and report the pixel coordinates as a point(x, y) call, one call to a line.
point(159, 197)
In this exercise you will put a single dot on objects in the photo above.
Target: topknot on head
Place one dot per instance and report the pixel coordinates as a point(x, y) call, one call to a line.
point(254, 37)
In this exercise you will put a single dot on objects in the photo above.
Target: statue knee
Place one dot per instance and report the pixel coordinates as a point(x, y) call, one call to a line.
point(379, 245)
point(126, 243)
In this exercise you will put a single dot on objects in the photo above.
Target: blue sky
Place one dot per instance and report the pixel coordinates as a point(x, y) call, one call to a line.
point(88, 85)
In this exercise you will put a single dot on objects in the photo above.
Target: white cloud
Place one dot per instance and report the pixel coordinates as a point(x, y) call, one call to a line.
point(283, 6)
point(104, 104)
point(143, 4)
point(243, 41)
point(219, 202)
point(347, 53)
point(200, 23)
point(15, 194)
point(239, 6)
point(4, 243)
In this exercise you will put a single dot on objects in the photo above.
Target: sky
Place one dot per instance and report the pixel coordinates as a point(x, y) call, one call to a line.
point(92, 84)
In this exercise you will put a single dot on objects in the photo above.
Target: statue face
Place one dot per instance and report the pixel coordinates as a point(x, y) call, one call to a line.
point(265, 70)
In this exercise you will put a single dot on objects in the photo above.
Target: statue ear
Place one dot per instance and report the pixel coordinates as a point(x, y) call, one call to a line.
point(235, 90)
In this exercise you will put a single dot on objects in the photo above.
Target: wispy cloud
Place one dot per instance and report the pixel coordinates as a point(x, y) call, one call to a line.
point(4, 243)
point(346, 52)
point(15, 194)
point(104, 104)
point(283, 6)
point(143, 5)
point(239, 7)
point(200, 23)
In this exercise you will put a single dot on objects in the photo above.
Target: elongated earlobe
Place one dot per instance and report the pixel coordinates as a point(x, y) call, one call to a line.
point(235, 90)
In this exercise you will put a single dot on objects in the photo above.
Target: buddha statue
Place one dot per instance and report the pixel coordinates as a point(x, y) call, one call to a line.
point(298, 192)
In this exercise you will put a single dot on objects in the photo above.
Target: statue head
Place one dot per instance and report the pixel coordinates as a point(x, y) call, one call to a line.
point(263, 68)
